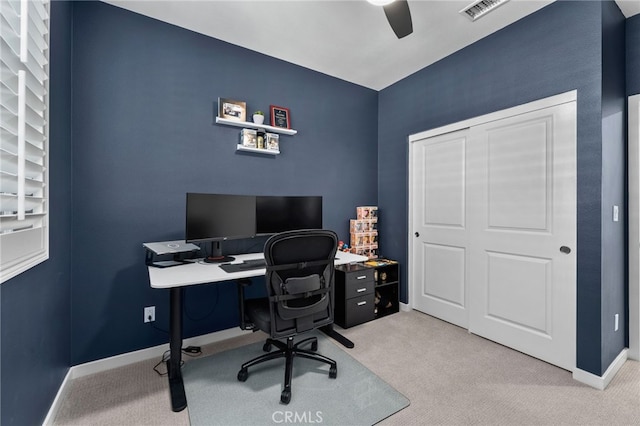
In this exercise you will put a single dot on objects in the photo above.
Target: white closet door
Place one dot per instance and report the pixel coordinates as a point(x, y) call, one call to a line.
point(522, 191)
point(493, 227)
point(440, 226)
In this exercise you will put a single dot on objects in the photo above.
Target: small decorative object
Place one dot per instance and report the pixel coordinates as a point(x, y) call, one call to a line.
point(260, 139)
point(280, 117)
point(272, 141)
point(232, 110)
point(258, 117)
point(248, 138)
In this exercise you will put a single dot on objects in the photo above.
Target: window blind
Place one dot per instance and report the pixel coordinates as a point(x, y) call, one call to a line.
point(24, 100)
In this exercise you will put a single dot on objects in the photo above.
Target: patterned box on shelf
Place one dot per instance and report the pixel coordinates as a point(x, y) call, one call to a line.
point(364, 239)
point(364, 232)
point(371, 253)
point(367, 212)
point(356, 225)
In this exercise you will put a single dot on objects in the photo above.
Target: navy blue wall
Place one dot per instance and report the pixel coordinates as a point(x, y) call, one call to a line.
point(614, 154)
point(143, 101)
point(144, 95)
point(555, 50)
point(36, 304)
point(633, 55)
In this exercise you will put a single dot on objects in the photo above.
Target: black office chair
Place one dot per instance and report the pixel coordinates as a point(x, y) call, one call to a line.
point(299, 280)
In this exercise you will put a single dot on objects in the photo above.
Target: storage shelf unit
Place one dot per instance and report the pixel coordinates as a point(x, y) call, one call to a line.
point(354, 295)
point(258, 150)
point(251, 125)
point(365, 292)
point(387, 280)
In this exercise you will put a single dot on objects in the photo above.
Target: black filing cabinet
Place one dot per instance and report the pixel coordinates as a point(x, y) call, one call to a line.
point(354, 295)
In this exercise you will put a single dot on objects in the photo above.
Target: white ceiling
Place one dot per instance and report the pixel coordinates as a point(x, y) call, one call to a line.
point(348, 39)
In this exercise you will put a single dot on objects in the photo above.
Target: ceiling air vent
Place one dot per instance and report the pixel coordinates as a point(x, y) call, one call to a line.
point(480, 8)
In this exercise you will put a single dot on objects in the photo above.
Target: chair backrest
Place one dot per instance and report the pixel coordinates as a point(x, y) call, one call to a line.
point(299, 279)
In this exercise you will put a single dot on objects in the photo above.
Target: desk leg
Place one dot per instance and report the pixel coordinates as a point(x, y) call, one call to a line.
point(329, 331)
point(176, 385)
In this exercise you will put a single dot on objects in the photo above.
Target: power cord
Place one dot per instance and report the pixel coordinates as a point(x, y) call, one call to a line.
point(152, 323)
point(213, 308)
point(191, 351)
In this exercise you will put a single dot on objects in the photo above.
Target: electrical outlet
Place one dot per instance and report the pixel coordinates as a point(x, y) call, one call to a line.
point(616, 322)
point(149, 314)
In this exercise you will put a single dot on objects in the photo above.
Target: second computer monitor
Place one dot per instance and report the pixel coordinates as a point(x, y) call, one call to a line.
point(277, 214)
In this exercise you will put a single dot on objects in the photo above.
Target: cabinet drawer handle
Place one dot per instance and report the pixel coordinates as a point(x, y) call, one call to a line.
point(360, 290)
point(362, 303)
point(361, 277)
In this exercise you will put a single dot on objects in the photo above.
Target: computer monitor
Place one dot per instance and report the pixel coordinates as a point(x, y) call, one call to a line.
point(219, 217)
point(277, 214)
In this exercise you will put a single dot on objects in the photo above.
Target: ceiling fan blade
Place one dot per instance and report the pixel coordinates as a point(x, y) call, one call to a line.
point(399, 17)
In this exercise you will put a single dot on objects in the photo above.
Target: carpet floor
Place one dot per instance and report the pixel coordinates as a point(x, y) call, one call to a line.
point(450, 376)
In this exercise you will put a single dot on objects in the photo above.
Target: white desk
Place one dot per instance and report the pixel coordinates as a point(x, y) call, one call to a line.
point(176, 278)
point(203, 273)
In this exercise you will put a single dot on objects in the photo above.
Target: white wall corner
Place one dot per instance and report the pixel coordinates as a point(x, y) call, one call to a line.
point(599, 382)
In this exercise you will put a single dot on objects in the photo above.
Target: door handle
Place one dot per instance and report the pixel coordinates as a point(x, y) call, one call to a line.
point(417, 234)
point(565, 249)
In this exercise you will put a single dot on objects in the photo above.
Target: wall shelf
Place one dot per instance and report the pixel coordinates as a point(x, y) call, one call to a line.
point(251, 125)
point(240, 147)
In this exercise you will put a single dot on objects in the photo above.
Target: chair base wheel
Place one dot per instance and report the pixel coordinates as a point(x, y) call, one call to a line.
point(333, 372)
point(267, 347)
point(243, 374)
point(285, 396)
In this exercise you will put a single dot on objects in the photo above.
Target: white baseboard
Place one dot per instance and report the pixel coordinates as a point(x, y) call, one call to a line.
point(55, 405)
point(145, 354)
point(116, 361)
point(602, 382)
point(404, 307)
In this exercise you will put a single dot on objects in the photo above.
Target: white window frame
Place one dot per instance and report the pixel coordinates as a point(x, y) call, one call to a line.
point(24, 131)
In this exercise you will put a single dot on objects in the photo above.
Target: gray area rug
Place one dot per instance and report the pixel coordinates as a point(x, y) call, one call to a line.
point(355, 397)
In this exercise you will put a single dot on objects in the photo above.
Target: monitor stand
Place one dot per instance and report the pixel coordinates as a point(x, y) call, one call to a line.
point(216, 254)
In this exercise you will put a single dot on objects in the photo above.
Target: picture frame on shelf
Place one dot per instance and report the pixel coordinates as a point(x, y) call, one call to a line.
point(248, 138)
point(272, 141)
point(232, 109)
point(280, 116)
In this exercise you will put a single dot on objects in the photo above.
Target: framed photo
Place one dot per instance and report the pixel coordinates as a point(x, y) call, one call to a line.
point(280, 117)
point(248, 138)
point(232, 110)
point(272, 141)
